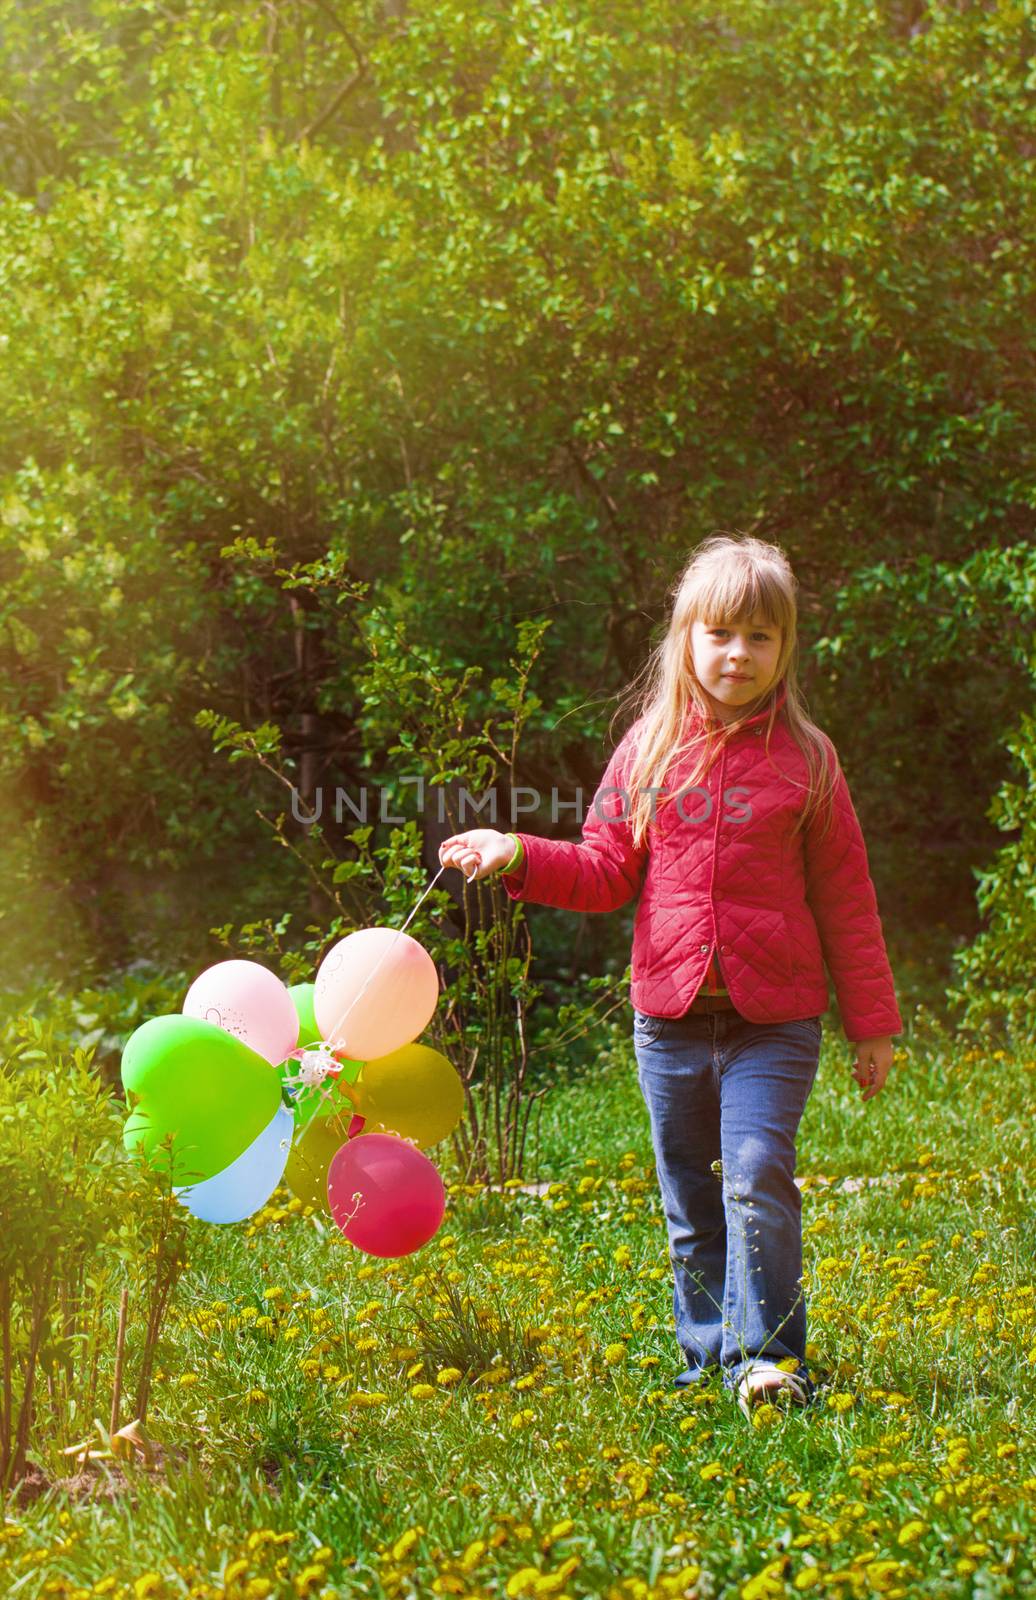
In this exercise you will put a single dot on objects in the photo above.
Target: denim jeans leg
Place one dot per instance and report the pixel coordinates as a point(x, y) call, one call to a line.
point(681, 1091)
point(766, 1074)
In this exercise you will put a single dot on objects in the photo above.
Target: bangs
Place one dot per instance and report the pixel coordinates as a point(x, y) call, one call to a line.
point(732, 592)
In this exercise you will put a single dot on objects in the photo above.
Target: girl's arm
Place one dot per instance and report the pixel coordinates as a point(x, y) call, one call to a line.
point(600, 873)
point(841, 896)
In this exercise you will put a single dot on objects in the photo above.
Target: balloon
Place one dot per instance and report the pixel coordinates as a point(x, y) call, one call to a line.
point(249, 1001)
point(374, 1018)
point(302, 1000)
point(387, 1198)
point(414, 1092)
point(310, 1158)
point(244, 1186)
point(189, 1079)
point(327, 1099)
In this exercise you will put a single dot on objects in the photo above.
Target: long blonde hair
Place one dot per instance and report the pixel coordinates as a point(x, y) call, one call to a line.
point(728, 578)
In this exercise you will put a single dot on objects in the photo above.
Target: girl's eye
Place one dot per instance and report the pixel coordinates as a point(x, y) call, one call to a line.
point(763, 636)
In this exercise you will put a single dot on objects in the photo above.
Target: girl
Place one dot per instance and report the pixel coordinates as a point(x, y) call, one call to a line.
point(725, 808)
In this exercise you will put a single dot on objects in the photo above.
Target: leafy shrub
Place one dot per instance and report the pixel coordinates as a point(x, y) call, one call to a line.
point(998, 970)
point(81, 1223)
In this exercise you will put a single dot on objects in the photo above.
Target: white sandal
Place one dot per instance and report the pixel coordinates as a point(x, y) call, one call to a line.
point(764, 1381)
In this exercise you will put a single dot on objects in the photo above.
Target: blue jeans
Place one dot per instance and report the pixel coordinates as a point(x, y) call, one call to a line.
point(721, 1089)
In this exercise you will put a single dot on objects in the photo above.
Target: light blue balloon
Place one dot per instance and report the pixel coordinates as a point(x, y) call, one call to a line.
point(244, 1186)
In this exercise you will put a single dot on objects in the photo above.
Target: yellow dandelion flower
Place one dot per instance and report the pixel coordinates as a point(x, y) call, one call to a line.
point(364, 1399)
point(422, 1391)
point(448, 1376)
point(840, 1402)
point(523, 1419)
point(712, 1469)
point(614, 1353)
point(473, 1555)
point(149, 1583)
point(770, 1581)
point(186, 1380)
point(552, 1582)
point(808, 1578)
point(405, 1543)
point(562, 1529)
point(883, 1575)
point(911, 1531)
point(258, 1589)
point(235, 1570)
point(521, 1580)
point(273, 1294)
point(256, 1397)
point(763, 1416)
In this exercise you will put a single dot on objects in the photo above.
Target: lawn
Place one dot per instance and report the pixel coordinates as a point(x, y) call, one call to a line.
point(493, 1415)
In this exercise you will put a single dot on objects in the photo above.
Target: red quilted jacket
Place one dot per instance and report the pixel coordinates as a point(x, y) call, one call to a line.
point(731, 880)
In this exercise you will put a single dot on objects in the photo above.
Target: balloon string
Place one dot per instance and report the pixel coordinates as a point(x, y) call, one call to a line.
point(385, 955)
point(350, 1095)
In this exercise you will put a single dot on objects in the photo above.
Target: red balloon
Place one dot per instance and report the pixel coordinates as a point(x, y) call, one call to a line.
point(385, 1195)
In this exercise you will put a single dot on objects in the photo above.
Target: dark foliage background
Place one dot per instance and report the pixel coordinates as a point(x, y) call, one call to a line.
point(340, 340)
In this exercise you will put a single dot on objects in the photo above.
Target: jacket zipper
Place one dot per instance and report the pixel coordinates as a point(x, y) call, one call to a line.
point(715, 852)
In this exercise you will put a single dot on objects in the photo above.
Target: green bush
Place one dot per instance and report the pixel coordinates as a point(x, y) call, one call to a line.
point(81, 1223)
point(998, 970)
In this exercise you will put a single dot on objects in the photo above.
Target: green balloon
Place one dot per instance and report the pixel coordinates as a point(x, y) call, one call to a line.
point(324, 1101)
point(189, 1079)
point(302, 997)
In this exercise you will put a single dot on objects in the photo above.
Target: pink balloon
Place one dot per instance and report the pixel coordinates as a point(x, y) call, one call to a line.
point(249, 1001)
point(385, 1195)
point(375, 991)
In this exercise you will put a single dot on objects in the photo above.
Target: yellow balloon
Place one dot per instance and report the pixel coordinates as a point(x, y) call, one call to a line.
point(311, 1156)
point(375, 990)
point(413, 1092)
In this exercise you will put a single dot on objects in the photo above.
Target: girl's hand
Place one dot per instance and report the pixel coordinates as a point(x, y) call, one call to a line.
point(477, 853)
point(873, 1064)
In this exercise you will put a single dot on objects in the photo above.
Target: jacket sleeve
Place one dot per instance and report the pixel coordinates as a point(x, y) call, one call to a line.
point(841, 896)
point(601, 872)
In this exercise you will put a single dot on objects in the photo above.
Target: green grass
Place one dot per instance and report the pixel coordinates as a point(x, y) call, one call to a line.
point(573, 1469)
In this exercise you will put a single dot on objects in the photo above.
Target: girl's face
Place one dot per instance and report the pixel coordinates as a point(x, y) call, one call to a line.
point(735, 665)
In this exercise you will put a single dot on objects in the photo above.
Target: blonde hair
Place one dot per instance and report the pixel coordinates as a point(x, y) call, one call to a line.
point(729, 578)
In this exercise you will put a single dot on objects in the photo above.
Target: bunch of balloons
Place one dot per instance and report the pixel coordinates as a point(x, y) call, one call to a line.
point(321, 1084)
